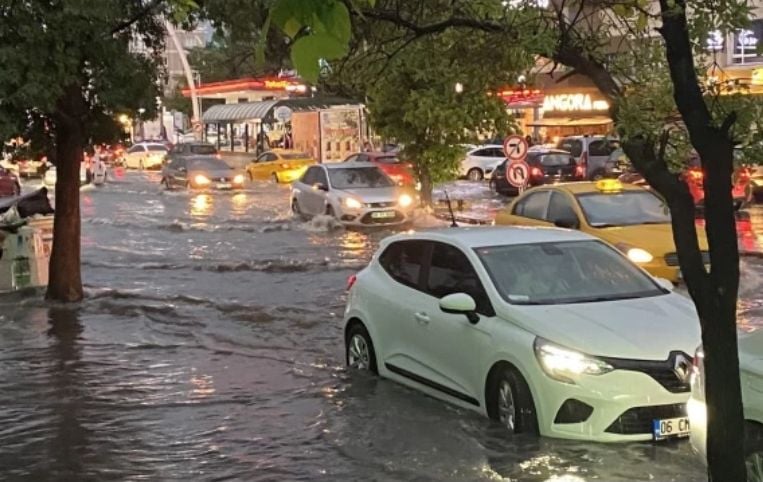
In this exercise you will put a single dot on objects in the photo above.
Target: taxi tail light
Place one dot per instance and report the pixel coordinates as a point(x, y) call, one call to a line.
point(536, 172)
point(351, 281)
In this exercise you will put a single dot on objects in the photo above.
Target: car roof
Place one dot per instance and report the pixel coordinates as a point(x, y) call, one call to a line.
point(487, 146)
point(196, 143)
point(280, 150)
point(540, 152)
point(347, 165)
point(585, 187)
point(477, 237)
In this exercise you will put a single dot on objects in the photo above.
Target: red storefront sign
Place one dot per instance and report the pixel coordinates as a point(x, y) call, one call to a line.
point(522, 98)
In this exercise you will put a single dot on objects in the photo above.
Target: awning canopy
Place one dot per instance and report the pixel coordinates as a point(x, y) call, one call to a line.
point(263, 111)
point(571, 121)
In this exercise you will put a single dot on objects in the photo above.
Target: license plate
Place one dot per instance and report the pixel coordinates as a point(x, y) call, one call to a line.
point(223, 185)
point(383, 214)
point(670, 427)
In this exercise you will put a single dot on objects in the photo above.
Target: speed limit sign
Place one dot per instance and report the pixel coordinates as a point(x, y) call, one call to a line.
point(515, 147)
point(517, 173)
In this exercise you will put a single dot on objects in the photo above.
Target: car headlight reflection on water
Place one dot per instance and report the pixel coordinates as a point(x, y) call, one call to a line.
point(565, 365)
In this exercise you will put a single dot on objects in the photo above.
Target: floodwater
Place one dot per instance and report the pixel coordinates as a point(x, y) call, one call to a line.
point(209, 348)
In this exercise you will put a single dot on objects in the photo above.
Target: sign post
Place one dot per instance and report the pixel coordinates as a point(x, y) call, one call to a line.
point(517, 170)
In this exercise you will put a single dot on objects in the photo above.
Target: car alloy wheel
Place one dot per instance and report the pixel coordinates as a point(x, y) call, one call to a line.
point(507, 410)
point(360, 354)
point(475, 174)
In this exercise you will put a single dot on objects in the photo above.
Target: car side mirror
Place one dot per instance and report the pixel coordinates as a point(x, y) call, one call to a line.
point(320, 186)
point(664, 283)
point(460, 304)
point(569, 223)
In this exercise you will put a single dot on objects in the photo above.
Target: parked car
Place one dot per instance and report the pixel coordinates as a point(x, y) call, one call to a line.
point(400, 172)
point(355, 193)
point(591, 152)
point(546, 167)
point(544, 330)
point(751, 374)
point(9, 183)
point(633, 219)
point(279, 165)
point(32, 167)
point(201, 172)
point(145, 155)
point(480, 162)
point(51, 175)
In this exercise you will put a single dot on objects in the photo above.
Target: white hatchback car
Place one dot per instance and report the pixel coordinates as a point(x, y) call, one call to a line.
point(751, 374)
point(355, 193)
point(481, 161)
point(546, 330)
point(145, 155)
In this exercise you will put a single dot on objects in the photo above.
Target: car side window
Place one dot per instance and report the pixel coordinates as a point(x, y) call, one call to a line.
point(177, 163)
point(533, 206)
point(559, 207)
point(573, 146)
point(321, 177)
point(599, 148)
point(135, 149)
point(403, 261)
point(496, 152)
point(482, 153)
point(352, 158)
point(450, 271)
point(310, 175)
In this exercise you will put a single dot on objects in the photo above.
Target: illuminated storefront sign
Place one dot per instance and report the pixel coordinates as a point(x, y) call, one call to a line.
point(576, 102)
point(522, 98)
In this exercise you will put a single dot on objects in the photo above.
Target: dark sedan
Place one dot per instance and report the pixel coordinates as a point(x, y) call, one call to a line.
point(546, 167)
point(201, 172)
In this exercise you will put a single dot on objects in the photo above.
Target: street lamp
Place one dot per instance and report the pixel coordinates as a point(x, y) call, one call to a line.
point(459, 87)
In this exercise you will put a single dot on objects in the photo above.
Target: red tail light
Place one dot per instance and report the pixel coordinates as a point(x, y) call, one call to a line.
point(579, 171)
point(584, 162)
point(536, 172)
point(696, 174)
point(744, 174)
point(351, 281)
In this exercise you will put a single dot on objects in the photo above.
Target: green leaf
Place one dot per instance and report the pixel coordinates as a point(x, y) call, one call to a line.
point(259, 49)
point(336, 20)
point(308, 50)
point(290, 15)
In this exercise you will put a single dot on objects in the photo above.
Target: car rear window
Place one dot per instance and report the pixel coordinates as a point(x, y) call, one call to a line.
point(204, 150)
point(556, 160)
point(157, 147)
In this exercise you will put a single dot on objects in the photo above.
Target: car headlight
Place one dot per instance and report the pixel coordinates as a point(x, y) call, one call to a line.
point(201, 180)
point(352, 203)
point(238, 179)
point(405, 201)
point(566, 365)
point(638, 255)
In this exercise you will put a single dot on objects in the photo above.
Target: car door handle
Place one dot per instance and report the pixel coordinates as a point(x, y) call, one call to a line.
point(422, 318)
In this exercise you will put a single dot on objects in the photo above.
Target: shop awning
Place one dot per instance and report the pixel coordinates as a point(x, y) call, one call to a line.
point(571, 121)
point(249, 111)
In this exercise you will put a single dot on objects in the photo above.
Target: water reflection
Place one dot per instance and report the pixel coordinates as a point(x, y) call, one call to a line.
point(201, 205)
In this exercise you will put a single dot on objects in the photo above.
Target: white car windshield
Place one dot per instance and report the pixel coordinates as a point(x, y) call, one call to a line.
point(358, 178)
point(623, 208)
point(564, 272)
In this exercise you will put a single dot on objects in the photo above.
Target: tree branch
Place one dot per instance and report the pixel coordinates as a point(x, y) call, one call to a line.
point(142, 13)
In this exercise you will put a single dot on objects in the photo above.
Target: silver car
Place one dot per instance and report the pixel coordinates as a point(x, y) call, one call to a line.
point(357, 194)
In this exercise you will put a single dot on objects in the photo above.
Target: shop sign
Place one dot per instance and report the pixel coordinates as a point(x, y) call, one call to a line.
point(522, 98)
point(277, 84)
point(715, 41)
point(573, 103)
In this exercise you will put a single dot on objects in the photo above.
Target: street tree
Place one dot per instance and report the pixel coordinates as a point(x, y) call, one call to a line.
point(660, 104)
point(69, 67)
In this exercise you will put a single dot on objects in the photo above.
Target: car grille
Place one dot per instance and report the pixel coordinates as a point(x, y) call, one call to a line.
point(367, 219)
point(639, 420)
point(381, 205)
point(663, 372)
point(671, 259)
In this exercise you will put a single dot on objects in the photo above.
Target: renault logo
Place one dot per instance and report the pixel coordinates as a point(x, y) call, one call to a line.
point(682, 367)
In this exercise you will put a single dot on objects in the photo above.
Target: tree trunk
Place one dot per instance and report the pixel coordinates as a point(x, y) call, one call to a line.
point(425, 178)
point(65, 282)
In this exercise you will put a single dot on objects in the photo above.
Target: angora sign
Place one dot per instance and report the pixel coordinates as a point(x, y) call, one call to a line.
point(573, 103)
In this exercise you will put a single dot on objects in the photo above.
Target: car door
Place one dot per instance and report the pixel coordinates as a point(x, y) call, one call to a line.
point(393, 307)
point(561, 212)
point(262, 167)
point(311, 199)
point(529, 210)
point(599, 151)
point(451, 349)
point(479, 158)
point(177, 172)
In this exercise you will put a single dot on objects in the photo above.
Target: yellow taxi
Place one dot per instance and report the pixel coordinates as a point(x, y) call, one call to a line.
point(279, 165)
point(633, 219)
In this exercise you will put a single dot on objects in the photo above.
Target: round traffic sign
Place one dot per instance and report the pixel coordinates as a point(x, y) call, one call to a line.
point(517, 173)
point(515, 147)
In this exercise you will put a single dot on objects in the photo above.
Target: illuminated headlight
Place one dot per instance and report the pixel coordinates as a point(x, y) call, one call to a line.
point(201, 180)
point(405, 201)
point(238, 179)
point(352, 203)
point(566, 365)
point(638, 255)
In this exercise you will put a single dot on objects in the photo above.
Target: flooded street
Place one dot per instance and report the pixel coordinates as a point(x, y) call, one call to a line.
point(209, 348)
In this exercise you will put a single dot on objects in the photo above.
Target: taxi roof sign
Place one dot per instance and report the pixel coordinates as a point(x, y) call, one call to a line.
point(609, 185)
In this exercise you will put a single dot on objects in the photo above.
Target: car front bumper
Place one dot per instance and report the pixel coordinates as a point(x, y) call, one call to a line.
point(373, 216)
point(698, 420)
point(623, 406)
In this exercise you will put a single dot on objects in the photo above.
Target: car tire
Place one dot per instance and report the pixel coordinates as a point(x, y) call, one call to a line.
point(359, 349)
point(475, 174)
point(274, 177)
point(510, 402)
point(753, 451)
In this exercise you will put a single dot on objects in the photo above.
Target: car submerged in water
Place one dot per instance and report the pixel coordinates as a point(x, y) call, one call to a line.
point(545, 330)
point(201, 172)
